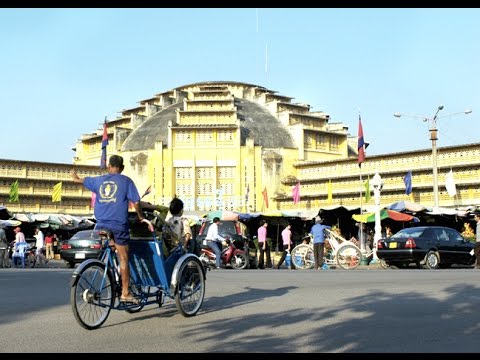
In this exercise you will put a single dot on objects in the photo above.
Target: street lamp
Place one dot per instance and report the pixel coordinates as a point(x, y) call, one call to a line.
point(377, 184)
point(434, 138)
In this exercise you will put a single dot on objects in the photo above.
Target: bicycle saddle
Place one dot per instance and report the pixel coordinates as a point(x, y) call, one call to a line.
point(106, 233)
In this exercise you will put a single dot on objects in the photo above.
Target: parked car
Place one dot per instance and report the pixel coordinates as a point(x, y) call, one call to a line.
point(428, 246)
point(238, 233)
point(83, 245)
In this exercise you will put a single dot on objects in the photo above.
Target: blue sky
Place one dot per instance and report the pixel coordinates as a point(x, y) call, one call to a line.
point(63, 70)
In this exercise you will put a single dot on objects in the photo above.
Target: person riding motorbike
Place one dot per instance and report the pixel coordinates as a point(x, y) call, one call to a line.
point(215, 241)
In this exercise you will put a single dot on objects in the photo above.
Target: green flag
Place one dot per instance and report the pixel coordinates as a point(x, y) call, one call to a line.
point(367, 189)
point(14, 192)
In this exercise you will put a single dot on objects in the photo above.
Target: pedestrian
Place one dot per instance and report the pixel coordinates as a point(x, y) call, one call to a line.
point(286, 244)
point(39, 244)
point(49, 246)
point(214, 241)
point(263, 245)
point(113, 194)
point(318, 242)
point(3, 248)
point(19, 235)
point(180, 226)
point(476, 249)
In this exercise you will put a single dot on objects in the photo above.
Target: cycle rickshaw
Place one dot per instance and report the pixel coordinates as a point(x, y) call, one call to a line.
point(96, 284)
point(341, 252)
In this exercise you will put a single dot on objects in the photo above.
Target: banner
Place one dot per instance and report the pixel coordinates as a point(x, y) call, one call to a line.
point(57, 192)
point(407, 179)
point(329, 192)
point(265, 197)
point(14, 192)
point(450, 184)
point(367, 190)
point(296, 193)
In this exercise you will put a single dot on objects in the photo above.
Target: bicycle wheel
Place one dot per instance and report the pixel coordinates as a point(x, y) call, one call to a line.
point(92, 296)
point(349, 257)
point(302, 257)
point(190, 287)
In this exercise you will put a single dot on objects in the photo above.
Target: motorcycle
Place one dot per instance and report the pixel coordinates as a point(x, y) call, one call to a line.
point(30, 257)
point(231, 256)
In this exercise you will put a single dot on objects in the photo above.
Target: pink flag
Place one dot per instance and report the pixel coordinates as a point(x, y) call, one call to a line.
point(296, 193)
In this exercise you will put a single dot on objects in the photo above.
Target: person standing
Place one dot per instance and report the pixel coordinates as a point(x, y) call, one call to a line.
point(3, 248)
point(318, 242)
point(114, 192)
point(214, 241)
point(19, 235)
point(263, 245)
point(49, 246)
point(39, 244)
point(286, 244)
point(476, 249)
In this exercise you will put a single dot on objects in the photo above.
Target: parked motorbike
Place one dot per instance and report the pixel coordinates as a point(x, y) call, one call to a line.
point(231, 256)
point(30, 257)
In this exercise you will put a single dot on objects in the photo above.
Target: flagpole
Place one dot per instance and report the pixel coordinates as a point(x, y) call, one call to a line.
point(362, 243)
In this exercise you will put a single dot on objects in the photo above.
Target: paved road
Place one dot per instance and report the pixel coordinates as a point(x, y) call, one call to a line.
point(258, 311)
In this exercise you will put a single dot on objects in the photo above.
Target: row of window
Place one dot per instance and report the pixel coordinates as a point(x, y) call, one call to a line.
point(407, 163)
point(224, 172)
point(186, 136)
point(320, 141)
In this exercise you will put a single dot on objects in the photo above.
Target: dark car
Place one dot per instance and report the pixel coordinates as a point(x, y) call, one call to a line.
point(85, 244)
point(428, 246)
point(238, 233)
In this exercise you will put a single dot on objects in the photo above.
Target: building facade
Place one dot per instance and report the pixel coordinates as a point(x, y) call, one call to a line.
point(224, 145)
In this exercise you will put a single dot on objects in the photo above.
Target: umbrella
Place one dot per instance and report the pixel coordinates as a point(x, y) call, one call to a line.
point(384, 213)
point(223, 215)
point(406, 205)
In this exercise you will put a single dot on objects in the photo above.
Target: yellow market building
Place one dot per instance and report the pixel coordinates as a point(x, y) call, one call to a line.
point(235, 146)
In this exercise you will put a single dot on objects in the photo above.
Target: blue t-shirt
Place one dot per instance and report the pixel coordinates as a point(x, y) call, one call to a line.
point(113, 194)
point(318, 234)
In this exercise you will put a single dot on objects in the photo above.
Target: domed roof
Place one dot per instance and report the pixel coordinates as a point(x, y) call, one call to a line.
point(256, 123)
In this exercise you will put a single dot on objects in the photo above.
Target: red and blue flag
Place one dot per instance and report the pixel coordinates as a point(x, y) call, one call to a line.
point(103, 160)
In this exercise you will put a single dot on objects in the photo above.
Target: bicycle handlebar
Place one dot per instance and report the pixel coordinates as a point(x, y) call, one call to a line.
point(150, 225)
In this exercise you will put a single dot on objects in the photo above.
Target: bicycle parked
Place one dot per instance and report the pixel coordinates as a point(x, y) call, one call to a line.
point(340, 251)
point(96, 283)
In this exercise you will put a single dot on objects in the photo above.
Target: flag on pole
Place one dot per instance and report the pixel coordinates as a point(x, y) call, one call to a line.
point(361, 143)
point(407, 179)
point(103, 160)
point(450, 184)
point(247, 192)
point(329, 192)
point(92, 200)
point(367, 190)
point(57, 192)
point(148, 191)
point(296, 193)
point(265, 197)
point(14, 192)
